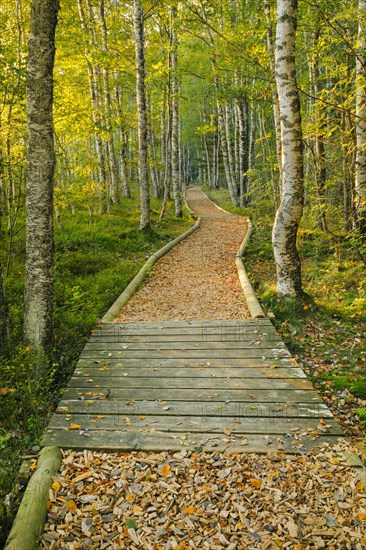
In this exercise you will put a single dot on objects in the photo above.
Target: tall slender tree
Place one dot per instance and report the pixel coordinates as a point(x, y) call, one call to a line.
point(40, 166)
point(360, 187)
point(175, 118)
point(142, 114)
point(289, 213)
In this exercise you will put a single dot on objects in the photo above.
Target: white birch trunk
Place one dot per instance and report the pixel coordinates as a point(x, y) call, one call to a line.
point(175, 122)
point(225, 157)
point(40, 168)
point(284, 236)
point(276, 107)
point(142, 115)
point(360, 168)
point(111, 154)
point(96, 110)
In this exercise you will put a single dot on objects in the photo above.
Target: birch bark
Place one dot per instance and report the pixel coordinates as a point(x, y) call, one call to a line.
point(175, 121)
point(142, 115)
point(40, 165)
point(360, 172)
point(276, 107)
point(284, 235)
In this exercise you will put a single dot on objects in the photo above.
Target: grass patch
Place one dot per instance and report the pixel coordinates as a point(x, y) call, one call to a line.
point(94, 262)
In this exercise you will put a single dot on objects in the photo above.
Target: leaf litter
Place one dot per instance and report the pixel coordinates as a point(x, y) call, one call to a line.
point(183, 500)
point(180, 287)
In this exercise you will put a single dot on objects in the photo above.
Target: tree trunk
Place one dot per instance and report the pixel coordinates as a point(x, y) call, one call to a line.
point(225, 157)
point(320, 161)
point(276, 107)
point(111, 154)
point(175, 121)
point(284, 236)
point(122, 146)
point(243, 123)
point(360, 174)
point(142, 115)
point(102, 177)
point(251, 149)
point(40, 166)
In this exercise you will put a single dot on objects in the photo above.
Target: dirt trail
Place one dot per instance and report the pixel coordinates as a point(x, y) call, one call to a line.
point(197, 279)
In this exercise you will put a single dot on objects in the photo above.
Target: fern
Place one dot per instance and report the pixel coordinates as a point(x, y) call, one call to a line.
point(361, 413)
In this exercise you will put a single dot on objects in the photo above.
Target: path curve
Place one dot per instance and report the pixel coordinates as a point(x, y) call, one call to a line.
point(198, 278)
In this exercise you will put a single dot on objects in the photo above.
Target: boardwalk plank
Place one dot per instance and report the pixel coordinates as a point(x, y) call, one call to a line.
point(251, 409)
point(168, 386)
point(118, 440)
point(158, 381)
point(186, 424)
point(185, 346)
point(188, 394)
point(119, 370)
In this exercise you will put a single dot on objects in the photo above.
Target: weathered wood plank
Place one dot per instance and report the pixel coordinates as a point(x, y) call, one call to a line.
point(188, 394)
point(145, 338)
point(196, 353)
point(193, 409)
point(119, 440)
point(236, 362)
point(190, 372)
point(294, 426)
point(184, 346)
point(163, 383)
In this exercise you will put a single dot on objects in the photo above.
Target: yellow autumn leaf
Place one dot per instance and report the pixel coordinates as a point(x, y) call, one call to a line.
point(255, 483)
point(165, 471)
point(74, 426)
point(71, 505)
point(362, 516)
point(129, 498)
point(189, 510)
point(56, 486)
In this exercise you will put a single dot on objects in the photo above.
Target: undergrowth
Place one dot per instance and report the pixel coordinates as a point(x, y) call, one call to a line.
point(94, 262)
point(325, 329)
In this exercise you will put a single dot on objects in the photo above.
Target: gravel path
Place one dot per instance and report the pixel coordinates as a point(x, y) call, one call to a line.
point(198, 278)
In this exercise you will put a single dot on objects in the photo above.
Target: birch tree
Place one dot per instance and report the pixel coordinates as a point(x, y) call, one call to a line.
point(40, 166)
point(142, 115)
point(360, 172)
point(288, 216)
point(175, 120)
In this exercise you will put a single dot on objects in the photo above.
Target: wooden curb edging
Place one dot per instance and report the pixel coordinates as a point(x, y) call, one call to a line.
point(31, 516)
point(136, 282)
point(253, 304)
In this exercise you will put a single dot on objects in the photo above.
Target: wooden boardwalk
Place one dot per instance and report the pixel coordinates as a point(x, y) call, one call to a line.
point(203, 385)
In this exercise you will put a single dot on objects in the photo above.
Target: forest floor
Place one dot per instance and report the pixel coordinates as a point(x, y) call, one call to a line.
point(162, 501)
